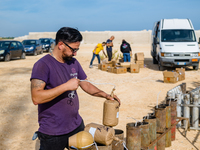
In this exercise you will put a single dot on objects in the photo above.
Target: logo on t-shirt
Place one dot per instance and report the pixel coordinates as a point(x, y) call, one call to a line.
point(125, 46)
point(72, 95)
point(74, 73)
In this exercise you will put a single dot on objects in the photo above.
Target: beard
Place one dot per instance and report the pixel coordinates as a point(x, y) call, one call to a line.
point(67, 57)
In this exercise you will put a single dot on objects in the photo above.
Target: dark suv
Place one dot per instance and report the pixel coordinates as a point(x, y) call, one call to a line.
point(11, 49)
point(32, 46)
point(47, 44)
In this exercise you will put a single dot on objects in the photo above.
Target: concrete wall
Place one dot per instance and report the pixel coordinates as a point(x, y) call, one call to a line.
point(91, 37)
point(197, 32)
point(37, 35)
point(139, 37)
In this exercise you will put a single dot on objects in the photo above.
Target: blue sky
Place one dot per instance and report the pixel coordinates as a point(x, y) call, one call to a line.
point(19, 17)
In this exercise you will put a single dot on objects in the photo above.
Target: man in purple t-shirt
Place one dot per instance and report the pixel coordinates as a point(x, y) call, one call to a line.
point(54, 81)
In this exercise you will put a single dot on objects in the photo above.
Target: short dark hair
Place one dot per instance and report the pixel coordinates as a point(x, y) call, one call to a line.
point(68, 35)
point(103, 42)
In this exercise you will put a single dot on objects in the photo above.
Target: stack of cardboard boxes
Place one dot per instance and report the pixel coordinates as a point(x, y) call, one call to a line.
point(112, 66)
point(139, 63)
point(122, 67)
point(139, 59)
point(174, 76)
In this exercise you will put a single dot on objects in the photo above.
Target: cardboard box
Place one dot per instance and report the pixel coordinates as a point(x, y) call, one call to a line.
point(170, 76)
point(125, 64)
point(114, 63)
point(110, 69)
point(181, 73)
point(140, 63)
point(104, 67)
point(134, 68)
point(139, 56)
point(109, 64)
point(99, 66)
point(119, 70)
point(121, 60)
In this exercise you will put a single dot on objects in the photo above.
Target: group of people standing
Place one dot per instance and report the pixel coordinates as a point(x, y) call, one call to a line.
point(125, 48)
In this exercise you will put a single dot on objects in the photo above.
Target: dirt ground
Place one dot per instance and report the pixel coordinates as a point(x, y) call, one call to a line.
point(137, 91)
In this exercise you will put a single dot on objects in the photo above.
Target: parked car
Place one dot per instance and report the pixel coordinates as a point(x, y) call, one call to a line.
point(11, 49)
point(174, 44)
point(32, 47)
point(47, 44)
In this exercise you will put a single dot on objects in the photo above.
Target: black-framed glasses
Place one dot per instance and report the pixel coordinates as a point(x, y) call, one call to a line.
point(73, 50)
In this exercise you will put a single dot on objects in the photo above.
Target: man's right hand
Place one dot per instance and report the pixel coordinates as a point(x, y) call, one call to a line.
point(72, 84)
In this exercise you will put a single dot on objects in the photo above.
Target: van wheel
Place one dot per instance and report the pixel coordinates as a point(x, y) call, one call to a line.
point(155, 61)
point(160, 67)
point(23, 56)
point(196, 67)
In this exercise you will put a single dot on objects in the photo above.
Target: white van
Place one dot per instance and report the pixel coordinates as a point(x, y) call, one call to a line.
point(174, 44)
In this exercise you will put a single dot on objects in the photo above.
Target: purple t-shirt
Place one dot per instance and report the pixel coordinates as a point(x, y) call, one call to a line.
point(59, 116)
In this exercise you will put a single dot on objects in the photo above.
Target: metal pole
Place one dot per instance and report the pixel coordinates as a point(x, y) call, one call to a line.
point(169, 94)
point(183, 88)
point(173, 93)
point(178, 96)
point(195, 112)
point(186, 109)
point(199, 101)
point(199, 97)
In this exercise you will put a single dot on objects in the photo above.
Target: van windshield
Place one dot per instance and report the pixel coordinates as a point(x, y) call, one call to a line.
point(178, 36)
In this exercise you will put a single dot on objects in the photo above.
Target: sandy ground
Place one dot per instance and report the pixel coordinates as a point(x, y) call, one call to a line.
point(138, 94)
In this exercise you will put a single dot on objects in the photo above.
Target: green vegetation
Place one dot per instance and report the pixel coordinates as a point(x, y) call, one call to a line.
point(102, 57)
point(114, 55)
point(7, 38)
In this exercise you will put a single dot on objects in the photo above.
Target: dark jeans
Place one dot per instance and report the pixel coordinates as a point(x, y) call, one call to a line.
point(95, 55)
point(109, 53)
point(126, 57)
point(60, 142)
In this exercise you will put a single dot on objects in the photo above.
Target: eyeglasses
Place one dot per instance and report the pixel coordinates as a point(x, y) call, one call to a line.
point(73, 50)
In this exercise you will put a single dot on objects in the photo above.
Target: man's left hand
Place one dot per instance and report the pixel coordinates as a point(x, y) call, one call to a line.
point(109, 97)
